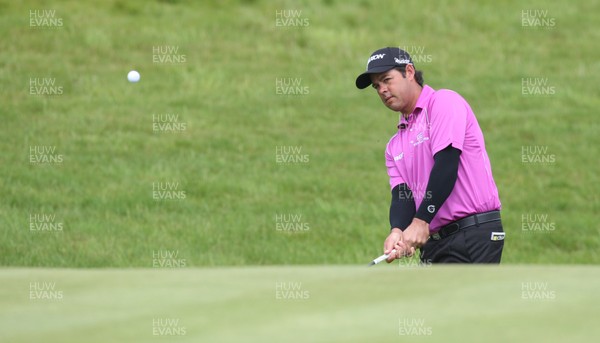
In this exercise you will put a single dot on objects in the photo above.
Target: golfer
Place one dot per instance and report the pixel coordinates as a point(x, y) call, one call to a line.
point(444, 198)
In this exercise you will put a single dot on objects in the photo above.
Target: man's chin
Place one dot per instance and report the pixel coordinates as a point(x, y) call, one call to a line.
point(393, 107)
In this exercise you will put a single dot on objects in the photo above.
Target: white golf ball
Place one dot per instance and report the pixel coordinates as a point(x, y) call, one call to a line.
point(133, 76)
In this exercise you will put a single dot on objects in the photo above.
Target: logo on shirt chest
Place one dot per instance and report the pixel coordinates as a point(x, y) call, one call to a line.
point(419, 139)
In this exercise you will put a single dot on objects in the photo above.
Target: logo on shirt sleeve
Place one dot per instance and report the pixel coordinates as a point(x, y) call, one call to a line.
point(399, 157)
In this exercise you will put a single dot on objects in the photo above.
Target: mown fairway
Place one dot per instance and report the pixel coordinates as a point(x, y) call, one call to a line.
point(301, 304)
point(209, 157)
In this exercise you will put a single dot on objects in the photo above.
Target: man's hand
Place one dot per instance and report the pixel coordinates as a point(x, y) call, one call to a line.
point(415, 236)
point(391, 242)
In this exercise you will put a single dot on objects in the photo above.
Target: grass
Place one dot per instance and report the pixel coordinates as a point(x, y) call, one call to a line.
point(225, 161)
point(301, 303)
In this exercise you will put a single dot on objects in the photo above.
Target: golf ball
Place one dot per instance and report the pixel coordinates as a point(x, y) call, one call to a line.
point(133, 76)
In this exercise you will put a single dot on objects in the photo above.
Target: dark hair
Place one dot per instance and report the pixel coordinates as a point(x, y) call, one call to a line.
point(418, 74)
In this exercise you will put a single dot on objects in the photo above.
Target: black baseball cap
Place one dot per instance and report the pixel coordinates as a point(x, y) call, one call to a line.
point(381, 61)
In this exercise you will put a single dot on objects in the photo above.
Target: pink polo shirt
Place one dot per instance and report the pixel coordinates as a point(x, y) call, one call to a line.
point(441, 118)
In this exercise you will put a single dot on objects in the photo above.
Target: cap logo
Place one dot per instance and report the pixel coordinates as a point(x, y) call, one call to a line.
point(373, 58)
point(404, 61)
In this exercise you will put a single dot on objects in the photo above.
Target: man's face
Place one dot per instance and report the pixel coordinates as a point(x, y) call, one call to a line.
point(394, 89)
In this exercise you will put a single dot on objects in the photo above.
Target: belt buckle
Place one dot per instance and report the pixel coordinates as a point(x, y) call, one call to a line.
point(436, 236)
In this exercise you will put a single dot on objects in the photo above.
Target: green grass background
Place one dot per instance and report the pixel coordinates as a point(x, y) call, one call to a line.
point(225, 160)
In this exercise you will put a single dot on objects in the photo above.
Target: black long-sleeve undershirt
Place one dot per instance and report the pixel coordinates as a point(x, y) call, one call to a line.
point(402, 209)
point(441, 182)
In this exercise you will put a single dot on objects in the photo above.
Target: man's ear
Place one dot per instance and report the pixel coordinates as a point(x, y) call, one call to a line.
point(410, 72)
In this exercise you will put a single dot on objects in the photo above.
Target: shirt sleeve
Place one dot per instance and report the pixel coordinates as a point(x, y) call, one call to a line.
point(448, 120)
point(392, 169)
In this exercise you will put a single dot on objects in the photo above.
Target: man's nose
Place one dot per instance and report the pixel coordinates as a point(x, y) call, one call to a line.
point(381, 90)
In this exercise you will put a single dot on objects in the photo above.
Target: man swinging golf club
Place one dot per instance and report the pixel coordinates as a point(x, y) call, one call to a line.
point(444, 198)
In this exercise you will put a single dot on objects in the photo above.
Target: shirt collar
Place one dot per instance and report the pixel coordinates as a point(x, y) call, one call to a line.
point(424, 97)
point(422, 101)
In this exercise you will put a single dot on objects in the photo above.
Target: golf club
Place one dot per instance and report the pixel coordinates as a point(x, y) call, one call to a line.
point(381, 258)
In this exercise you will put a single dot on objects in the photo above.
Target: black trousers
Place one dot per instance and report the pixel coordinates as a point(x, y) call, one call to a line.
point(473, 244)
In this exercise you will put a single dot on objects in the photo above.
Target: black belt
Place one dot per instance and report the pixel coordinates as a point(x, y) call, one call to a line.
point(466, 222)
